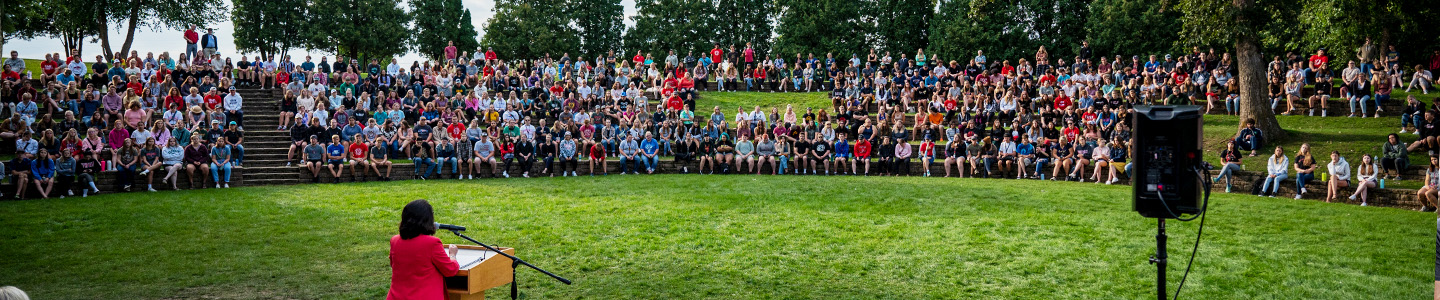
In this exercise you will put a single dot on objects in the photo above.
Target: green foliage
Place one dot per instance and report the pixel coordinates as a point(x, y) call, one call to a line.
point(439, 23)
point(963, 26)
point(1342, 25)
point(903, 26)
point(1057, 25)
point(1132, 27)
point(664, 25)
point(22, 19)
point(737, 22)
point(601, 23)
point(129, 15)
point(823, 26)
point(364, 29)
point(530, 29)
point(1008, 30)
point(71, 23)
point(258, 23)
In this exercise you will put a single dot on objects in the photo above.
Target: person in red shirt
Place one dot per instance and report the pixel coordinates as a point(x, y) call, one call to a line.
point(359, 156)
point(456, 131)
point(674, 103)
point(597, 156)
point(419, 261)
point(639, 59)
point(490, 55)
point(749, 55)
point(174, 99)
point(191, 38)
point(212, 100)
point(862, 154)
point(282, 78)
point(1062, 102)
point(715, 54)
point(1318, 63)
point(49, 68)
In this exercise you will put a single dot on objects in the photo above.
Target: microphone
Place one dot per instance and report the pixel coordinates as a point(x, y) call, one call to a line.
point(449, 227)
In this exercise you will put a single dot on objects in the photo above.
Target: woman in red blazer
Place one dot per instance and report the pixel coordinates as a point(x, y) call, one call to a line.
point(419, 262)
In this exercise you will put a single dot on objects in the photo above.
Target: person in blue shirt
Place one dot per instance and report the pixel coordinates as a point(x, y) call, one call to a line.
point(1025, 153)
point(842, 155)
point(334, 157)
point(650, 147)
point(42, 170)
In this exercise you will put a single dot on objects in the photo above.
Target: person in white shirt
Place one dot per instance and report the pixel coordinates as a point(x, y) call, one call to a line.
point(1277, 169)
point(1367, 173)
point(233, 108)
point(1339, 170)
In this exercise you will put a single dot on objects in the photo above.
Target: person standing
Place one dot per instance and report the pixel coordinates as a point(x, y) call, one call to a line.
point(419, 261)
point(191, 38)
point(209, 43)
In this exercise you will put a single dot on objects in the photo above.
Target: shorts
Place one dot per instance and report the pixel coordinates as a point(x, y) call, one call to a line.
point(839, 155)
point(313, 161)
point(337, 162)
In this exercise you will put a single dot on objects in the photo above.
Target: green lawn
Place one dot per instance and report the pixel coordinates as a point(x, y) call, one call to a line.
point(729, 101)
point(713, 237)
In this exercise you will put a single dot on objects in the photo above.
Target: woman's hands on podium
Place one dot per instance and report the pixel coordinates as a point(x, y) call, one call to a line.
point(452, 250)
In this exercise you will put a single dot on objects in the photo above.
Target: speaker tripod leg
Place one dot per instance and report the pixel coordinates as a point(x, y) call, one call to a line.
point(1159, 259)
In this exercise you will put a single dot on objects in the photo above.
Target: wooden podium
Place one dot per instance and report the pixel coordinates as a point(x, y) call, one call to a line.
point(480, 270)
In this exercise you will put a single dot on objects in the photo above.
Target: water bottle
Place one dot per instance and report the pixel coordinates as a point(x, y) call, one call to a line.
point(1382, 183)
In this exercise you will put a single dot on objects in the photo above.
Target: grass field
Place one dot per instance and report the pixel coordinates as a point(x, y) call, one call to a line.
point(728, 101)
point(708, 237)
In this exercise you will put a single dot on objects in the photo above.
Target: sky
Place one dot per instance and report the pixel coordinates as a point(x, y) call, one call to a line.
point(148, 40)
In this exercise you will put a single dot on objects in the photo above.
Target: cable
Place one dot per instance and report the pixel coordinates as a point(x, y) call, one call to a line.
point(1204, 208)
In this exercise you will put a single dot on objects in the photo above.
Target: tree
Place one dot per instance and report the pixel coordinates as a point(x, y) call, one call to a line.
point(736, 22)
point(72, 23)
point(601, 24)
point(264, 26)
point(1343, 25)
point(1057, 25)
point(1243, 22)
point(1118, 27)
point(666, 25)
point(23, 19)
point(822, 26)
point(440, 22)
point(364, 29)
point(154, 14)
point(903, 25)
point(530, 29)
point(962, 26)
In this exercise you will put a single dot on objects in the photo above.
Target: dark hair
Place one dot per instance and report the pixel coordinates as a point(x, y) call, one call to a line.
point(416, 219)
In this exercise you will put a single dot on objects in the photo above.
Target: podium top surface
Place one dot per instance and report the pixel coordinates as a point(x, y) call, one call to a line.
point(469, 258)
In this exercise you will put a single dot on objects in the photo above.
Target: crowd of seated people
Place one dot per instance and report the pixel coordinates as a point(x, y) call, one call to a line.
point(482, 116)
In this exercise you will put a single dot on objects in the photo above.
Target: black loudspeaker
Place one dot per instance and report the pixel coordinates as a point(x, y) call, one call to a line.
point(1166, 153)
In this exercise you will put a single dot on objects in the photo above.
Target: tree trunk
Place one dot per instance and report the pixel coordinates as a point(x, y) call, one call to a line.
point(105, 40)
point(130, 28)
point(1254, 102)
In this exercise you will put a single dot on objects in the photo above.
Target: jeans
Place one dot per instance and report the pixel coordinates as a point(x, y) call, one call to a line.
point(1301, 179)
point(1248, 144)
point(454, 164)
point(239, 152)
point(627, 163)
point(191, 50)
point(784, 163)
point(1040, 164)
point(1272, 184)
point(1412, 120)
point(1362, 100)
point(749, 84)
point(424, 167)
point(651, 162)
point(217, 168)
point(1226, 171)
point(1233, 104)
